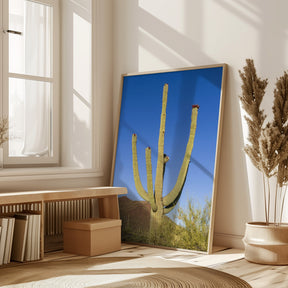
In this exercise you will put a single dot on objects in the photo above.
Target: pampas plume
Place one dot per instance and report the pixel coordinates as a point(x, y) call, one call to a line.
point(267, 144)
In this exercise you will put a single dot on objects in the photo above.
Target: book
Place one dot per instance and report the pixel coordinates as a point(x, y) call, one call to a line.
point(9, 240)
point(38, 237)
point(12, 220)
point(35, 252)
point(4, 225)
point(32, 248)
point(20, 237)
point(28, 247)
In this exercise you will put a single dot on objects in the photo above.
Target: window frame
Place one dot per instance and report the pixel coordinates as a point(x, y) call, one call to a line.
point(39, 177)
point(54, 79)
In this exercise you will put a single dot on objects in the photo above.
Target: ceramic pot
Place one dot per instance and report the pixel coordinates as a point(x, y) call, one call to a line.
point(266, 244)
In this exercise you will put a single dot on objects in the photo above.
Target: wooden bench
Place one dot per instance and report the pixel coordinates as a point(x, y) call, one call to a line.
point(107, 202)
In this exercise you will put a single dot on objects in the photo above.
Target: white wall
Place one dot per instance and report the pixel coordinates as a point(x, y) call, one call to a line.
point(87, 102)
point(77, 104)
point(163, 34)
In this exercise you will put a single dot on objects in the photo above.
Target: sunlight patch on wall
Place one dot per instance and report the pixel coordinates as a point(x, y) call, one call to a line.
point(82, 56)
point(244, 9)
point(167, 12)
point(219, 35)
point(157, 52)
point(81, 130)
point(82, 89)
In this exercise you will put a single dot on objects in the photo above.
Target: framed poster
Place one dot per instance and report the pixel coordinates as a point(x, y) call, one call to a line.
point(166, 154)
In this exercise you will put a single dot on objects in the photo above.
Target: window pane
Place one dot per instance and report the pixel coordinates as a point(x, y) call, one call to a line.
point(29, 118)
point(30, 53)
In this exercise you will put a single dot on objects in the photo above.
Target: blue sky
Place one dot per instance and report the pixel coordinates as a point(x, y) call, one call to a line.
point(140, 113)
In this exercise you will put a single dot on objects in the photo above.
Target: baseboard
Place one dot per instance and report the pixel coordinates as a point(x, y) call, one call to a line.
point(228, 240)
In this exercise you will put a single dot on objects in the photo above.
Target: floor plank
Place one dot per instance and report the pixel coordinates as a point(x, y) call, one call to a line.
point(57, 267)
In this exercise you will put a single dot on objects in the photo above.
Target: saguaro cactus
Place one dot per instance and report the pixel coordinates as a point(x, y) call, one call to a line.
point(162, 205)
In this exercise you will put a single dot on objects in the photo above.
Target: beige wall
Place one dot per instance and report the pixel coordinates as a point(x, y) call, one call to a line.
point(163, 34)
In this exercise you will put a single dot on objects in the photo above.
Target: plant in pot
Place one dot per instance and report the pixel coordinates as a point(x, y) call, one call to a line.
point(3, 137)
point(267, 242)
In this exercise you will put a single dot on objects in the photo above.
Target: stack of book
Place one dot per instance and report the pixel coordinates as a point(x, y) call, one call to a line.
point(20, 238)
point(6, 239)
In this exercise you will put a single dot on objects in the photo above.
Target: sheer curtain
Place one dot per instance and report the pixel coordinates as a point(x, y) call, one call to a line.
point(33, 104)
point(36, 131)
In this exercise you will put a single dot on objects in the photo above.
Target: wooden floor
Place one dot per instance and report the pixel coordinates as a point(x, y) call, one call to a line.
point(60, 269)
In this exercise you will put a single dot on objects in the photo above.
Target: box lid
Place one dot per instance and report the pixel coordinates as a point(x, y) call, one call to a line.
point(92, 224)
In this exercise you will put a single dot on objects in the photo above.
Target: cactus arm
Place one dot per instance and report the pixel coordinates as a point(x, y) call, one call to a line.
point(169, 209)
point(160, 160)
point(139, 187)
point(149, 172)
point(149, 179)
point(177, 189)
point(172, 205)
point(165, 160)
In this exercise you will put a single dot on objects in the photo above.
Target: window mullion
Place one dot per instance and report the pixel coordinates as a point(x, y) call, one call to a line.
point(1, 58)
point(30, 77)
point(5, 64)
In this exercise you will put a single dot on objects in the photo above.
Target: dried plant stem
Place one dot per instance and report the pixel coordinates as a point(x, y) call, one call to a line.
point(269, 197)
point(282, 204)
point(4, 126)
point(265, 199)
point(275, 204)
point(268, 142)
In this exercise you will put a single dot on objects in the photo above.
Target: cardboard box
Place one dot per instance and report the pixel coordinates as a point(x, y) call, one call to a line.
point(91, 237)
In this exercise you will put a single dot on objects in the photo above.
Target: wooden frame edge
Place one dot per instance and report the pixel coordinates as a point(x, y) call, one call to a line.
point(219, 135)
point(217, 158)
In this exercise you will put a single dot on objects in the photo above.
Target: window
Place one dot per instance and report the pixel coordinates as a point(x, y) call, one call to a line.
point(48, 140)
point(31, 81)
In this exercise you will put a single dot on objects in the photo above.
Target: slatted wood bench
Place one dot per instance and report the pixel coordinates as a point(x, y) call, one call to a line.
point(34, 200)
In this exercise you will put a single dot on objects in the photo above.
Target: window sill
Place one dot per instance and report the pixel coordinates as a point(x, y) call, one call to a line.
point(18, 174)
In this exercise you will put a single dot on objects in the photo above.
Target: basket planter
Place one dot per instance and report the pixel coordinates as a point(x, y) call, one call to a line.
point(266, 244)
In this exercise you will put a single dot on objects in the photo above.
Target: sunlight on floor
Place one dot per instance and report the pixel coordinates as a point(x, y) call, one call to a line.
point(213, 259)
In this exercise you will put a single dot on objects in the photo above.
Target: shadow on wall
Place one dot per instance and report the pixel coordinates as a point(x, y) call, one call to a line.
point(76, 87)
point(268, 19)
point(148, 39)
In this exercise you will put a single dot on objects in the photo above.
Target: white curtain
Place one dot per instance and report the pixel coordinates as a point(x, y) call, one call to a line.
point(37, 94)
